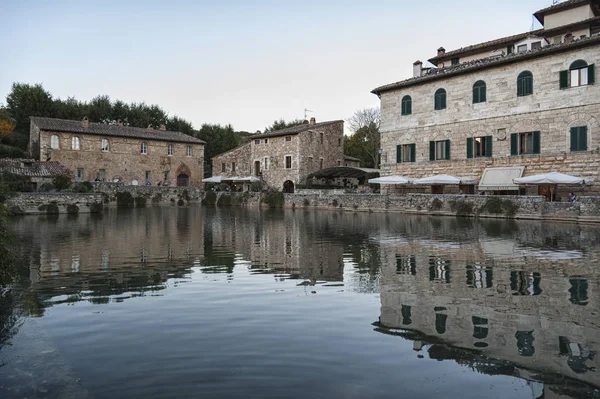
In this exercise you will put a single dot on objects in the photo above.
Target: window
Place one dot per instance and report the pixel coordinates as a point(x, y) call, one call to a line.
point(288, 138)
point(266, 141)
point(557, 40)
point(233, 167)
point(579, 74)
point(509, 49)
point(148, 176)
point(525, 143)
point(439, 150)
point(267, 163)
point(54, 142)
point(101, 174)
point(479, 92)
point(310, 161)
point(75, 143)
point(80, 174)
point(440, 99)
point(536, 45)
point(522, 48)
point(524, 84)
point(595, 29)
point(478, 147)
point(579, 138)
point(144, 148)
point(405, 153)
point(339, 163)
point(339, 142)
point(288, 162)
point(170, 149)
point(223, 167)
point(454, 61)
point(188, 151)
point(406, 105)
point(105, 145)
point(321, 137)
point(321, 163)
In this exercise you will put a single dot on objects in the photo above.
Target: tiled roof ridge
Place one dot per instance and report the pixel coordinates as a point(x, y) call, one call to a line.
point(294, 129)
point(34, 168)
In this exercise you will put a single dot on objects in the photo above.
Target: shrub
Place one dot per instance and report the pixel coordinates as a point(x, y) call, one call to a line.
point(72, 209)
point(495, 205)
point(210, 198)
point(224, 199)
point(11, 184)
point(125, 199)
point(96, 207)
point(274, 199)
point(462, 208)
point(61, 182)
point(49, 209)
point(83, 187)
point(140, 201)
point(435, 205)
point(305, 202)
point(180, 202)
point(157, 198)
point(185, 195)
point(334, 202)
point(46, 187)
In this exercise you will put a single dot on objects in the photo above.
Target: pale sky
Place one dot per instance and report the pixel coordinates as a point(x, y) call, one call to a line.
point(241, 62)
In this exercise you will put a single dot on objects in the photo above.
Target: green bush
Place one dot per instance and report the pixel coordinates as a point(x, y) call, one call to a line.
point(125, 199)
point(72, 209)
point(305, 202)
point(46, 187)
point(7, 151)
point(496, 206)
point(435, 205)
point(83, 187)
point(462, 208)
point(334, 202)
point(49, 209)
point(157, 198)
point(96, 207)
point(10, 184)
point(180, 202)
point(274, 199)
point(210, 198)
point(61, 182)
point(140, 201)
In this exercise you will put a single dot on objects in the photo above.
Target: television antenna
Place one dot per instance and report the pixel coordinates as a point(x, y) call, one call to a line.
point(306, 111)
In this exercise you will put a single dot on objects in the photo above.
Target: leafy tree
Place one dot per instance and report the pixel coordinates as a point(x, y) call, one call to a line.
point(282, 124)
point(26, 100)
point(7, 124)
point(219, 139)
point(100, 109)
point(365, 141)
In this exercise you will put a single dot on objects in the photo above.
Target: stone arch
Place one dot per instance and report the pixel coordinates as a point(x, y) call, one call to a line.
point(288, 186)
point(526, 125)
point(183, 175)
point(580, 119)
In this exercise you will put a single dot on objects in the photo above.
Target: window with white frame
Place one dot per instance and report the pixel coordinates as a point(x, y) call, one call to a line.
point(188, 151)
point(144, 149)
point(170, 149)
point(75, 143)
point(266, 163)
point(579, 73)
point(522, 48)
point(105, 145)
point(54, 142)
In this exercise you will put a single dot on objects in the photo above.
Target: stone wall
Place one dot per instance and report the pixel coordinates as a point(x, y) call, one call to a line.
point(54, 203)
point(152, 194)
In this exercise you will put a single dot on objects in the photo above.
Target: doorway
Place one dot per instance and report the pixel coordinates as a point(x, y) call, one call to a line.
point(183, 180)
point(256, 168)
point(288, 186)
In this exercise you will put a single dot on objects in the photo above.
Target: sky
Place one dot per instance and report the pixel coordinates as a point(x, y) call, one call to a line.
point(245, 63)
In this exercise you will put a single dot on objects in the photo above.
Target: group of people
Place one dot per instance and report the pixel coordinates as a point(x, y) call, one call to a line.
point(572, 197)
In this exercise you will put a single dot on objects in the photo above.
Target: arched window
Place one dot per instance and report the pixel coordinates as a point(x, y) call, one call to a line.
point(144, 148)
point(579, 73)
point(54, 142)
point(105, 145)
point(479, 92)
point(188, 151)
point(524, 84)
point(440, 99)
point(170, 149)
point(75, 143)
point(406, 105)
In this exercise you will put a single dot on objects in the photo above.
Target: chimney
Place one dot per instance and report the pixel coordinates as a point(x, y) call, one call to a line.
point(417, 69)
point(568, 38)
point(313, 120)
point(85, 123)
point(163, 127)
point(441, 52)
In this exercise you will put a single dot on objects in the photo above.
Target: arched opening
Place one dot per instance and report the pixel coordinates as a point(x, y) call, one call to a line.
point(288, 186)
point(406, 105)
point(440, 99)
point(183, 180)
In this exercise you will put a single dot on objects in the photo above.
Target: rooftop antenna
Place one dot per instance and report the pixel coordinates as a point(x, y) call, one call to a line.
point(306, 111)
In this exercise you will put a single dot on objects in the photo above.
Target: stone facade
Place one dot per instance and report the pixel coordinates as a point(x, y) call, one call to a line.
point(285, 157)
point(54, 203)
point(503, 117)
point(133, 155)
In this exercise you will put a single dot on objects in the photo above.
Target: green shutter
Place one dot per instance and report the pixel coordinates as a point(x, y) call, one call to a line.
point(536, 142)
point(413, 153)
point(520, 84)
point(591, 76)
point(583, 138)
point(488, 146)
point(398, 154)
point(475, 95)
point(482, 94)
point(469, 147)
point(514, 144)
point(447, 155)
point(574, 139)
point(444, 100)
point(432, 150)
point(509, 49)
point(529, 85)
point(564, 79)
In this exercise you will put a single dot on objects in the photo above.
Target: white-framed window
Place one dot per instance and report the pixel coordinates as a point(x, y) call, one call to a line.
point(144, 148)
point(102, 174)
point(80, 174)
point(288, 162)
point(223, 167)
point(579, 73)
point(188, 151)
point(440, 150)
point(266, 163)
point(105, 145)
point(170, 149)
point(54, 142)
point(522, 48)
point(75, 143)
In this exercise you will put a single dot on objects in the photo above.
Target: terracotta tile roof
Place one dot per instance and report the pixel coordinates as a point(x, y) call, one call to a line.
point(31, 168)
point(475, 65)
point(561, 6)
point(102, 129)
point(293, 130)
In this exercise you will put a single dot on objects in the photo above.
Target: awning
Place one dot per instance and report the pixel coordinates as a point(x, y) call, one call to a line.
point(212, 179)
point(500, 178)
point(391, 180)
point(550, 178)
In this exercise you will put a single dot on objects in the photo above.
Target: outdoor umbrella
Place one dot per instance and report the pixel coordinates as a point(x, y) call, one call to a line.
point(549, 178)
point(394, 179)
point(213, 179)
point(443, 179)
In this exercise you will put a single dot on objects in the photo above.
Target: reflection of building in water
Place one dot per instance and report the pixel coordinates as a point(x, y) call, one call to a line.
point(534, 308)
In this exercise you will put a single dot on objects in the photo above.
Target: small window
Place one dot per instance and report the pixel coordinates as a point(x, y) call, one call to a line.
point(267, 163)
point(257, 141)
point(405, 153)
point(479, 92)
point(478, 147)
point(579, 138)
point(339, 163)
point(170, 149)
point(233, 167)
point(454, 61)
point(579, 73)
point(509, 49)
point(557, 40)
point(188, 151)
point(266, 141)
point(440, 99)
point(522, 48)
point(406, 105)
point(54, 142)
point(75, 143)
point(101, 174)
point(288, 162)
point(80, 174)
point(223, 167)
point(525, 84)
point(148, 177)
point(144, 148)
point(525, 143)
point(321, 137)
point(288, 138)
point(105, 145)
point(339, 142)
point(321, 163)
point(536, 45)
point(439, 150)
point(310, 161)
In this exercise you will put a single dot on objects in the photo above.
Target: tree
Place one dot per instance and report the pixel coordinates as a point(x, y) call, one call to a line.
point(7, 124)
point(282, 124)
point(219, 139)
point(364, 143)
point(26, 100)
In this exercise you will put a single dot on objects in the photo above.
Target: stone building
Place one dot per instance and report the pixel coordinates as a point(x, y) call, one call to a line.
point(527, 100)
point(283, 158)
point(38, 172)
point(98, 151)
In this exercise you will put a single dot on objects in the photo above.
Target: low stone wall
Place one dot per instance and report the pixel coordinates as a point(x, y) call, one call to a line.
point(153, 194)
point(54, 203)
